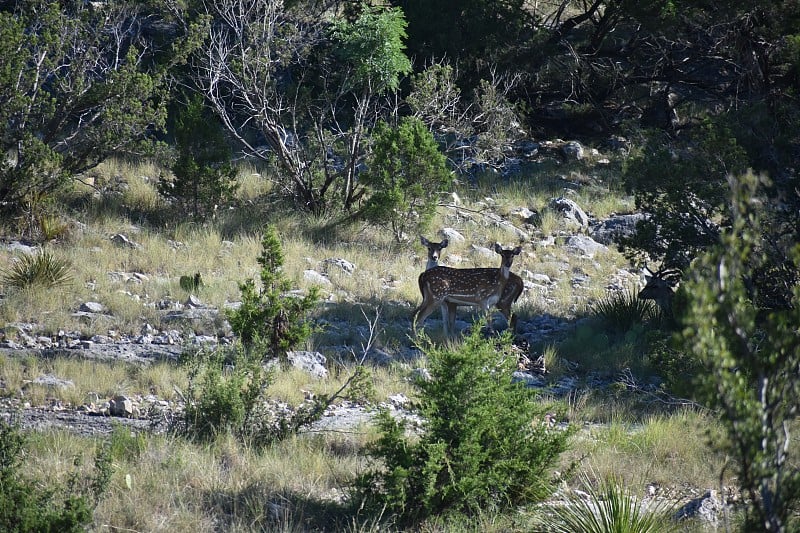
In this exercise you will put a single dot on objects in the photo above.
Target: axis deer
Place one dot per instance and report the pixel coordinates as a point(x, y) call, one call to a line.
point(511, 292)
point(660, 287)
point(434, 251)
point(451, 287)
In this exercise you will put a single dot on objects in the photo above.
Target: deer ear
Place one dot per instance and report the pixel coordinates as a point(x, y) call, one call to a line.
point(445, 242)
point(423, 240)
point(498, 248)
point(518, 250)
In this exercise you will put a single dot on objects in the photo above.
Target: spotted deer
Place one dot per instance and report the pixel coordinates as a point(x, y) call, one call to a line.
point(660, 287)
point(448, 288)
point(511, 292)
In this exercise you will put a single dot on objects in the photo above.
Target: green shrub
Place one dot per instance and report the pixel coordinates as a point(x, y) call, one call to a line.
point(751, 357)
point(606, 508)
point(204, 177)
point(679, 368)
point(40, 269)
point(406, 172)
point(227, 394)
point(484, 446)
point(271, 319)
point(28, 505)
point(224, 387)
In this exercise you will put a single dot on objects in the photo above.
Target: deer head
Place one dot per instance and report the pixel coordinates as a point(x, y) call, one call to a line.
point(660, 286)
point(434, 251)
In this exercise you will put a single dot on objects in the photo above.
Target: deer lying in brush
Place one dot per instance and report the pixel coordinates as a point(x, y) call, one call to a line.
point(448, 288)
point(660, 287)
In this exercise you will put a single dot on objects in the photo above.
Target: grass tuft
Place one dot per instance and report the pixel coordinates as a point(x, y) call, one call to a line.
point(622, 310)
point(42, 269)
point(609, 507)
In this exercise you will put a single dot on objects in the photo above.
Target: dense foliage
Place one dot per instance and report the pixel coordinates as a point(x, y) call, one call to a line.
point(80, 82)
point(26, 506)
point(408, 173)
point(485, 446)
point(751, 360)
point(205, 178)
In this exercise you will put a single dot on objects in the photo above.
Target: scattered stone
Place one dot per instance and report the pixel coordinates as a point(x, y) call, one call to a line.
point(311, 362)
point(121, 406)
point(399, 400)
point(708, 508)
point(91, 307)
point(537, 278)
point(571, 211)
point(585, 245)
point(572, 150)
point(20, 247)
point(453, 236)
point(455, 199)
point(482, 251)
point(346, 266)
point(421, 373)
point(613, 229)
point(49, 380)
point(527, 216)
point(193, 302)
point(122, 240)
point(314, 277)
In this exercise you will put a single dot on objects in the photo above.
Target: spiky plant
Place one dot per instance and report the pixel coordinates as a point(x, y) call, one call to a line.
point(623, 310)
point(42, 269)
point(609, 507)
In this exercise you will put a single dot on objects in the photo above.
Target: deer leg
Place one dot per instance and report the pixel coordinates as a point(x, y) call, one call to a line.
point(422, 312)
point(450, 324)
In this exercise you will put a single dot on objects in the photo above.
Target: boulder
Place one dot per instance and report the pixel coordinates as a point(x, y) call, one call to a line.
point(614, 228)
point(585, 245)
point(311, 362)
point(571, 211)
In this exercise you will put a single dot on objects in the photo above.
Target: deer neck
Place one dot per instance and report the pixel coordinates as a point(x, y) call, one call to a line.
point(432, 263)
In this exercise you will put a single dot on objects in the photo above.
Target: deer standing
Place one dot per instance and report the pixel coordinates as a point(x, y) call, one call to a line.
point(448, 288)
point(511, 292)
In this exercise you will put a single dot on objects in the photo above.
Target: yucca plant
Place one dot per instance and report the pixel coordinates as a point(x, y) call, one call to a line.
point(609, 508)
point(42, 269)
point(623, 310)
point(52, 227)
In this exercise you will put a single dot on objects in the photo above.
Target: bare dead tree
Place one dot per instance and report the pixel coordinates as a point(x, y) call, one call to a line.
point(272, 77)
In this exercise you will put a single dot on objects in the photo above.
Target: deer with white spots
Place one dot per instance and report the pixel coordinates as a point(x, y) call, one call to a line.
point(448, 288)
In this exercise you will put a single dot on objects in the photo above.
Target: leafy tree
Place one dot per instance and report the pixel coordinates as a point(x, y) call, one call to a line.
point(405, 174)
point(79, 82)
point(486, 123)
point(484, 443)
point(300, 89)
point(373, 45)
point(204, 177)
point(683, 192)
point(751, 359)
point(271, 319)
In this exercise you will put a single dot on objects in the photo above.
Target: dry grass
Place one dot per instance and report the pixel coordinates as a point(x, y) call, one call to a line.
point(669, 451)
point(298, 484)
